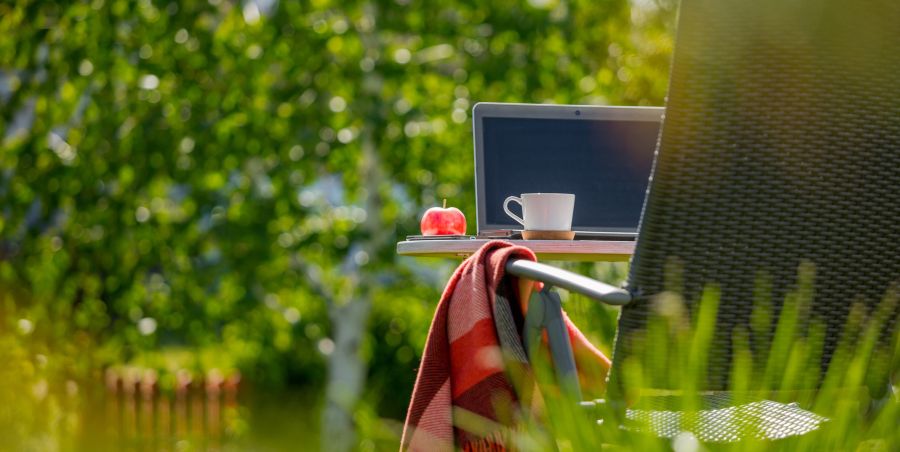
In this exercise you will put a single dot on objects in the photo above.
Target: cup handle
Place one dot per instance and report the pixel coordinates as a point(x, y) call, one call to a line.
point(508, 212)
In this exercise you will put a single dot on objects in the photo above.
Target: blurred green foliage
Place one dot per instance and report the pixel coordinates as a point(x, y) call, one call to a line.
point(170, 171)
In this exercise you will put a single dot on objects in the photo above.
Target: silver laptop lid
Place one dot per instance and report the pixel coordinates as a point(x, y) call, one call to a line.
point(601, 154)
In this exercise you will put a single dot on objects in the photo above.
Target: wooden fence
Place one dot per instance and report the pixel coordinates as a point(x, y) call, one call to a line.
point(199, 413)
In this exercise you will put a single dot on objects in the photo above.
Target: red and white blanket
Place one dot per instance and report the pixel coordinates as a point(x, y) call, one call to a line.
point(462, 372)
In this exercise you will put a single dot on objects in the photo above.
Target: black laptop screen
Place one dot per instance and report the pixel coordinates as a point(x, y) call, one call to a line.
point(605, 163)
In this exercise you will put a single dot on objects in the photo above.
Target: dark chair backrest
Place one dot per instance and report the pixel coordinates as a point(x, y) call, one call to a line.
point(780, 146)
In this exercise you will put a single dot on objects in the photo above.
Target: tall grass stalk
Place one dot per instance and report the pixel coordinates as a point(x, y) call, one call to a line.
point(858, 393)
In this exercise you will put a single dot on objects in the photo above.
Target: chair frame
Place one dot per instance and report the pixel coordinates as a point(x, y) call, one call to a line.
point(545, 313)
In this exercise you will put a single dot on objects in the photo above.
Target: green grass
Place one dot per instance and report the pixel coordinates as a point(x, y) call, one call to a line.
point(862, 407)
point(43, 406)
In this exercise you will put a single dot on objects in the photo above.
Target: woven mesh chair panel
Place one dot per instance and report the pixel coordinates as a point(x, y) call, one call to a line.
point(719, 421)
point(780, 146)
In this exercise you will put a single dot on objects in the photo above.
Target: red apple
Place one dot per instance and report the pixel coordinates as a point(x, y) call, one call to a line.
point(443, 221)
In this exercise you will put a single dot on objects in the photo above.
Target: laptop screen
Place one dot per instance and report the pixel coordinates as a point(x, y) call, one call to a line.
point(605, 163)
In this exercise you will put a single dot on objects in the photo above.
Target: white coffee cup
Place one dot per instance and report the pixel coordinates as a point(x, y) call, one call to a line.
point(543, 211)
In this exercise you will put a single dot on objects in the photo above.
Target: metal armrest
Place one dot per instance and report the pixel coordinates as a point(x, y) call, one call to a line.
point(570, 281)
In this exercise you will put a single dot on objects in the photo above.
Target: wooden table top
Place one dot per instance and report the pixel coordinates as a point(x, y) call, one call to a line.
point(554, 250)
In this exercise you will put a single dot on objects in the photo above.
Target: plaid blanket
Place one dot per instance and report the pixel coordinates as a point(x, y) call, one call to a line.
point(463, 397)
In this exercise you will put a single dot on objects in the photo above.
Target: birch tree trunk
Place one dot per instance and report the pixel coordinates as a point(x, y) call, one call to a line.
point(346, 375)
point(349, 311)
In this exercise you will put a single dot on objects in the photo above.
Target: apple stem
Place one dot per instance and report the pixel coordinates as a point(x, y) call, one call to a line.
point(445, 203)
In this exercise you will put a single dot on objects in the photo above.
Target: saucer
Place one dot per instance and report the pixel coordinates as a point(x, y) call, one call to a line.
point(548, 235)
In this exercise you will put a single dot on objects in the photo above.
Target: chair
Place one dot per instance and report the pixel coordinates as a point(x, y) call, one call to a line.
point(779, 156)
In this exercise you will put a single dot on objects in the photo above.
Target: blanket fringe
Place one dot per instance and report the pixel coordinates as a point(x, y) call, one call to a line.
point(495, 442)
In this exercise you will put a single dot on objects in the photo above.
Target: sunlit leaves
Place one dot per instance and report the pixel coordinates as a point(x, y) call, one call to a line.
point(176, 161)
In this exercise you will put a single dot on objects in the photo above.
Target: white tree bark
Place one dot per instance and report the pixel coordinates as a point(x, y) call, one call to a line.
point(349, 310)
point(346, 375)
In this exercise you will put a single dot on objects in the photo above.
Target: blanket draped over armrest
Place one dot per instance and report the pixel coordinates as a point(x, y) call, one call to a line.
point(478, 323)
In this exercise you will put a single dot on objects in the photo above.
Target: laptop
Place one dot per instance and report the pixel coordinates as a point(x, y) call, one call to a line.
point(602, 154)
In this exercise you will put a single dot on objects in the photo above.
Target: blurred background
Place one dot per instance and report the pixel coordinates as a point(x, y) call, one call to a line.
point(201, 202)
